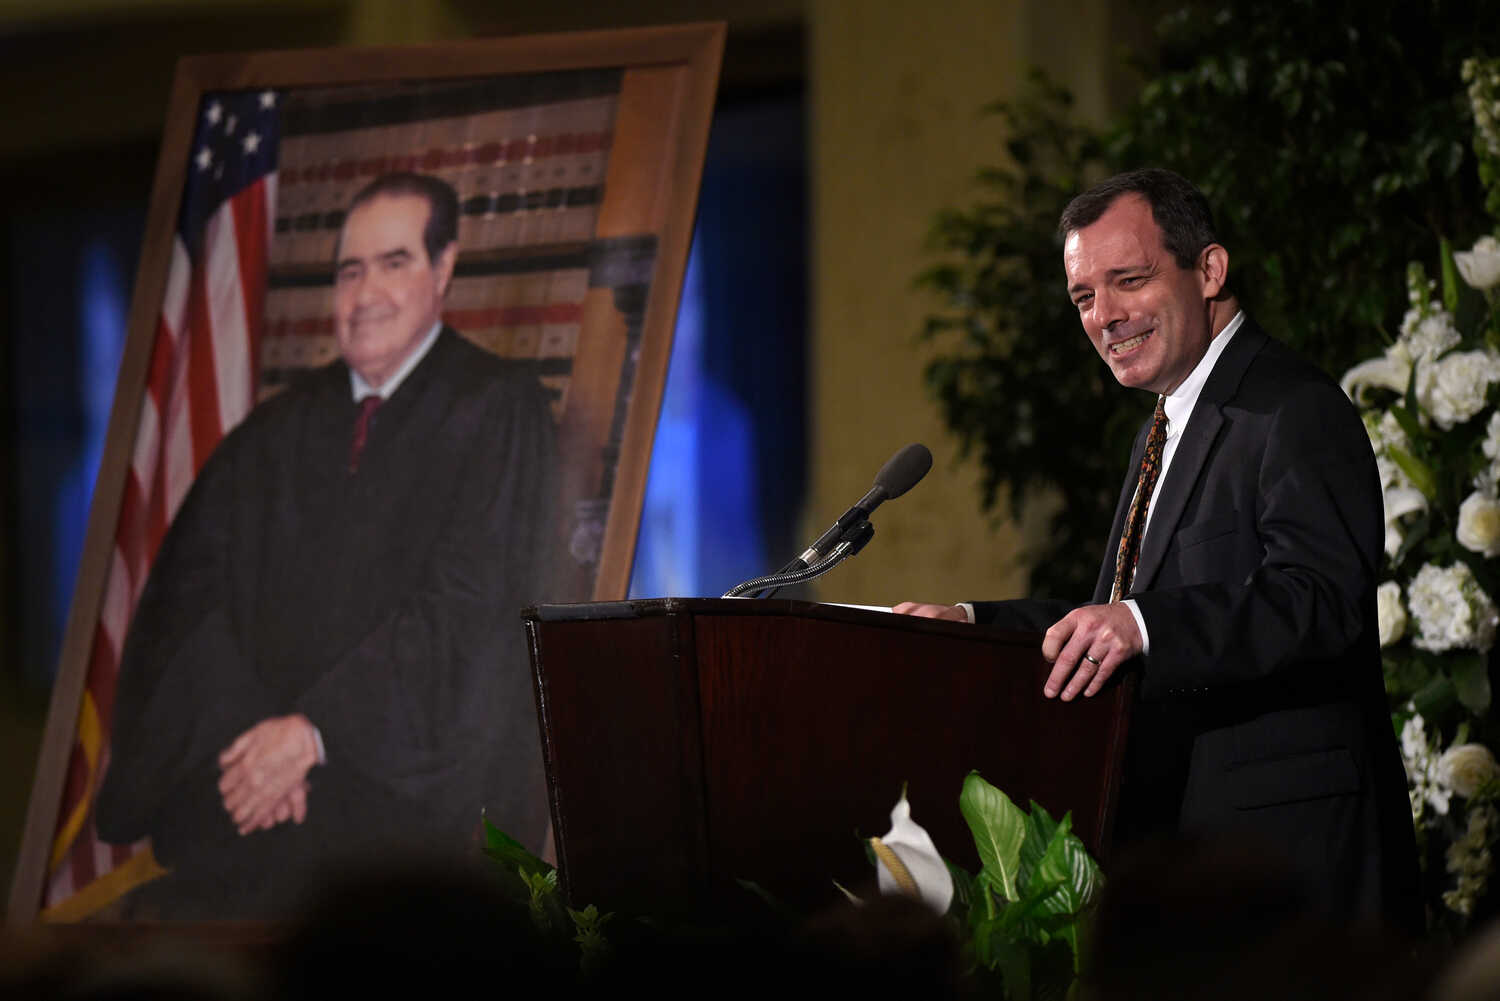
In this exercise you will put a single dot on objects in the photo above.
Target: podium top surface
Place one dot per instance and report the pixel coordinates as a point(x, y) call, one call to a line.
point(642, 608)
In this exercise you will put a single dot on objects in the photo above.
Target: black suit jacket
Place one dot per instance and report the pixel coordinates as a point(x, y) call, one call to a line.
point(1261, 707)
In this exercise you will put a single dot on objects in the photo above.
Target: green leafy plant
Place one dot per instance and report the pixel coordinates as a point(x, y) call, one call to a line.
point(532, 883)
point(1329, 142)
point(1023, 918)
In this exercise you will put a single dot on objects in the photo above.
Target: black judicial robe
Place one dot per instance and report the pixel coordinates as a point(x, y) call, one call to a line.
point(381, 604)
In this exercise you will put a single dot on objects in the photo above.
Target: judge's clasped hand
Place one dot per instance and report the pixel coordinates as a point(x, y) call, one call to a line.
point(263, 779)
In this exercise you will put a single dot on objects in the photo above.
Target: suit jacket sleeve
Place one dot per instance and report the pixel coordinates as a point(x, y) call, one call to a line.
point(1028, 614)
point(1272, 568)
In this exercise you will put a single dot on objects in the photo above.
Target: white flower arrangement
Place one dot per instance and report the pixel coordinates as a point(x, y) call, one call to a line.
point(1470, 861)
point(1431, 407)
point(1424, 784)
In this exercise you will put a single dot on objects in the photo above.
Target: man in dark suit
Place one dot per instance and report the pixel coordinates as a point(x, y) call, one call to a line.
point(1240, 576)
point(326, 663)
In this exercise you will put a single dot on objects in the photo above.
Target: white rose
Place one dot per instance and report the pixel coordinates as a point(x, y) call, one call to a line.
point(1490, 475)
point(1480, 267)
point(1424, 337)
point(1479, 524)
point(1390, 613)
point(1453, 390)
point(1492, 436)
point(1450, 610)
point(1467, 767)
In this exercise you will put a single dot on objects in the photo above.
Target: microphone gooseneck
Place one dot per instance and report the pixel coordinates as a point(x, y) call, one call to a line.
point(900, 473)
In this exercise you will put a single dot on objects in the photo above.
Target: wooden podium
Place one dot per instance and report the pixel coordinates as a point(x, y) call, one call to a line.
point(692, 742)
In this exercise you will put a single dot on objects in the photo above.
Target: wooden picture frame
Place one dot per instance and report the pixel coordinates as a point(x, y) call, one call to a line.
point(620, 256)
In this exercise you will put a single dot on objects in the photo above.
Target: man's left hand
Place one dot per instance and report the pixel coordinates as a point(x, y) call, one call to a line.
point(264, 767)
point(1086, 646)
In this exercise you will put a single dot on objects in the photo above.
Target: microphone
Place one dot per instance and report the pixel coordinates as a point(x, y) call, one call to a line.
point(900, 473)
point(853, 529)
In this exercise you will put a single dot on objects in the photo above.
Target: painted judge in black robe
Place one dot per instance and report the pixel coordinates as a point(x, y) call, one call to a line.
point(327, 662)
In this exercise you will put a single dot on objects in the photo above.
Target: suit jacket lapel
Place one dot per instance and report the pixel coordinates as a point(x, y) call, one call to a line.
point(1192, 453)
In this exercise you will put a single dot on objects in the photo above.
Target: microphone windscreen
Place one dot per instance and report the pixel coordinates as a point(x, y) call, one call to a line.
point(904, 469)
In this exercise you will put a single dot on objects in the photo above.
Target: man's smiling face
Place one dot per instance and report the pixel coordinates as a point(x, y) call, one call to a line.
point(1147, 316)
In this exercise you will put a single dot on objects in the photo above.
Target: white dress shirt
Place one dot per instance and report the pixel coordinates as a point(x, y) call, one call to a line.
point(1179, 406)
point(360, 388)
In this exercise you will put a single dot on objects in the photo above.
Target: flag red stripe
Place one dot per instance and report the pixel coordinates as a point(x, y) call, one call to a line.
point(202, 383)
point(250, 227)
point(183, 390)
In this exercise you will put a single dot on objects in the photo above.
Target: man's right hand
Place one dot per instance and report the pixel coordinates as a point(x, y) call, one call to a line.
point(950, 612)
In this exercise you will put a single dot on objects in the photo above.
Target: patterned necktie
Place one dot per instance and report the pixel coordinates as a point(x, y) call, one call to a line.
point(367, 408)
point(1140, 506)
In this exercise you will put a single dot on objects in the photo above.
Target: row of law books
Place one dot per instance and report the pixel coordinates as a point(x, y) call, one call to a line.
point(524, 176)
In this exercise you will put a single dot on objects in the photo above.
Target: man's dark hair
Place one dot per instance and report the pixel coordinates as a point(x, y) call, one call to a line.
point(1180, 210)
point(442, 204)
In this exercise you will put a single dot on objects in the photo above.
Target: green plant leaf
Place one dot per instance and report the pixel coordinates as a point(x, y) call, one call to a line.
point(1471, 682)
point(1436, 697)
point(548, 913)
point(999, 827)
point(1068, 862)
point(775, 903)
point(1012, 960)
point(1407, 420)
point(965, 890)
point(1039, 830)
point(1450, 275)
point(507, 850)
point(1417, 471)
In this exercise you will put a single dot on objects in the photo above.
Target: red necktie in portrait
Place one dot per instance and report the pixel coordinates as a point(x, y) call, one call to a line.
point(367, 408)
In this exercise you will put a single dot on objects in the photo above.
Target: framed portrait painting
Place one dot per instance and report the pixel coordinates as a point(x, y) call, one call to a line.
point(395, 356)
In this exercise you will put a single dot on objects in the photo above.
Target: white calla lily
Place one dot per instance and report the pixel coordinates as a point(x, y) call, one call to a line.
point(1377, 373)
point(1480, 267)
point(1399, 502)
point(908, 862)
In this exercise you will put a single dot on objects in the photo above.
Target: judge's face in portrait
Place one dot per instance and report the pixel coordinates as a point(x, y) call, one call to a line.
point(388, 291)
point(1147, 315)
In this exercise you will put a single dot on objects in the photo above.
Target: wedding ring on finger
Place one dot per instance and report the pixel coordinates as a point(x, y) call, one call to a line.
point(1091, 660)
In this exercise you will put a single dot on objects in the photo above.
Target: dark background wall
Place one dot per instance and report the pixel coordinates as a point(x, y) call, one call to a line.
point(841, 127)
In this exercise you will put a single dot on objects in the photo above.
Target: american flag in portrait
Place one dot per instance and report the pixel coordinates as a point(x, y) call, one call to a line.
point(201, 383)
